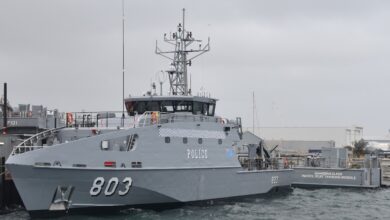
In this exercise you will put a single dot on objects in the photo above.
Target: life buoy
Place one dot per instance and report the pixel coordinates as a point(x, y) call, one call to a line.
point(69, 118)
point(285, 162)
point(222, 120)
point(154, 117)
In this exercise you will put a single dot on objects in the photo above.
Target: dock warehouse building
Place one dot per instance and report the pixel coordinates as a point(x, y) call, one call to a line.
point(301, 139)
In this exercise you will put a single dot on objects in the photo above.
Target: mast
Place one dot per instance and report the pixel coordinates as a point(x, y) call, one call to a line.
point(253, 112)
point(5, 107)
point(123, 64)
point(181, 41)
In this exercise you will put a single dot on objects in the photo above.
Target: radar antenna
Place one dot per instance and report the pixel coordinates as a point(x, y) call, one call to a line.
point(181, 40)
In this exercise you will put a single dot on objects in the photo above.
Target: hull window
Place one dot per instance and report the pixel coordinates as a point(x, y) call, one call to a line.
point(167, 140)
point(200, 140)
point(105, 145)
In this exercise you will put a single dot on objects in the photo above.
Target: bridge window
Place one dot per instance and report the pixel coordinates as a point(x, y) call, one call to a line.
point(170, 106)
point(210, 109)
point(140, 107)
point(203, 108)
point(167, 106)
point(183, 106)
point(197, 108)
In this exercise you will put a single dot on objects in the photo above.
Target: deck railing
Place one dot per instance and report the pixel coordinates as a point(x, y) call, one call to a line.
point(151, 118)
point(116, 119)
point(30, 143)
point(99, 119)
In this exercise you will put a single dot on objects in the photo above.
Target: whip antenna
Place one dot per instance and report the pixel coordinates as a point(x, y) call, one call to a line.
point(123, 64)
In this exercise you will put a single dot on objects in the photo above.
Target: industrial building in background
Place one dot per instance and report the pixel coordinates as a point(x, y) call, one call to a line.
point(299, 140)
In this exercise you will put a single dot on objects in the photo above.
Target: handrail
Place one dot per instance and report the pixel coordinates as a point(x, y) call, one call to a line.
point(97, 119)
point(113, 119)
point(156, 117)
point(30, 139)
point(38, 134)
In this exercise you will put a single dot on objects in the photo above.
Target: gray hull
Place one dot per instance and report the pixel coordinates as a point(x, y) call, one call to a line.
point(54, 189)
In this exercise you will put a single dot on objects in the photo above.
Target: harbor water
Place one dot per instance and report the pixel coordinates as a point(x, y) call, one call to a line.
point(336, 203)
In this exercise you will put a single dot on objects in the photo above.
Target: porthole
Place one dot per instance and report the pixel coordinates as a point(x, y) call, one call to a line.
point(167, 140)
point(200, 140)
point(185, 140)
point(219, 141)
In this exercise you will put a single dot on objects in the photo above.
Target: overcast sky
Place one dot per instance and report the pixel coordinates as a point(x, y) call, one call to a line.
point(309, 63)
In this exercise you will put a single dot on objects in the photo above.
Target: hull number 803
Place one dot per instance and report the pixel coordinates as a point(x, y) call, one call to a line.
point(111, 187)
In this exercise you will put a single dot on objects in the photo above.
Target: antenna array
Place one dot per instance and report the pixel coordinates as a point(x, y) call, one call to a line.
point(182, 40)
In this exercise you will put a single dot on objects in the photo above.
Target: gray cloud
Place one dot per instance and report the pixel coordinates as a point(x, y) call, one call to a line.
point(310, 63)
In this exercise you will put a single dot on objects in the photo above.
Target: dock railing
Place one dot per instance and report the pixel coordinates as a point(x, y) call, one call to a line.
point(320, 162)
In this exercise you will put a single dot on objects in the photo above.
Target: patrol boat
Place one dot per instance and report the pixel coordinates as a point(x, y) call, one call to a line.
point(177, 152)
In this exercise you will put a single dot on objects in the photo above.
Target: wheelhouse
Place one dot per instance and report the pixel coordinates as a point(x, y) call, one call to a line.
point(171, 104)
